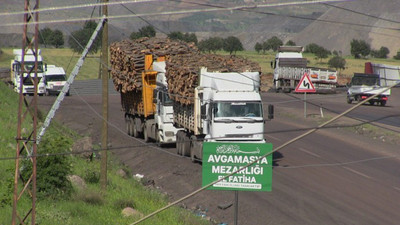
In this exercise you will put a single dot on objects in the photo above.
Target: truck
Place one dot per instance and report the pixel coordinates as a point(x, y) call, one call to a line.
point(149, 111)
point(363, 85)
point(290, 65)
point(29, 72)
point(54, 80)
point(389, 74)
point(227, 107)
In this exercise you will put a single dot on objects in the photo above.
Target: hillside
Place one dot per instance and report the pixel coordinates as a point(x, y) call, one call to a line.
point(302, 23)
point(336, 36)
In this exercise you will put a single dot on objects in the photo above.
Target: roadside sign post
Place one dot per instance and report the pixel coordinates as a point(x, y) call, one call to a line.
point(305, 85)
point(221, 159)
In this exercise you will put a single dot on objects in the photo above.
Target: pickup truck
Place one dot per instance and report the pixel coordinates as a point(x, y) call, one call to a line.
point(362, 86)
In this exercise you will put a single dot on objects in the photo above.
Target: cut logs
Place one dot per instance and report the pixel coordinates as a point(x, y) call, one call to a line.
point(183, 62)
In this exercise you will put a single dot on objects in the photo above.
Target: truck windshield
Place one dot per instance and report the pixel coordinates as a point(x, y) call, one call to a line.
point(368, 81)
point(238, 109)
point(166, 100)
point(60, 77)
point(31, 65)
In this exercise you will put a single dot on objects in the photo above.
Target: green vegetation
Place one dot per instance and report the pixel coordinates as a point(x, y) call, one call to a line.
point(78, 39)
point(146, 31)
point(57, 202)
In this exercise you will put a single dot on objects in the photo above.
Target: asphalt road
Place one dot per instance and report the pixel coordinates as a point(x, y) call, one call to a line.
point(332, 176)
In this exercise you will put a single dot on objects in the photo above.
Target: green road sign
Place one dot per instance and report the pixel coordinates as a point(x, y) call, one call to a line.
point(221, 159)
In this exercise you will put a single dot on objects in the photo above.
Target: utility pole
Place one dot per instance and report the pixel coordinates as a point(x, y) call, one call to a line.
point(104, 75)
point(27, 143)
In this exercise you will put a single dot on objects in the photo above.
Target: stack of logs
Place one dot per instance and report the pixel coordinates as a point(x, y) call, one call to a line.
point(183, 72)
point(127, 59)
point(183, 65)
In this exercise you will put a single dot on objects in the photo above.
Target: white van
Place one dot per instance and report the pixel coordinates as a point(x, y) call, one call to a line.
point(54, 80)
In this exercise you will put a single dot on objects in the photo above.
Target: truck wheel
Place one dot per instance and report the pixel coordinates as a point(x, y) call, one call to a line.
point(185, 145)
point(193, 146)
point(145, 134)
point(349, 100)
point(371, 102)
point(383, 103)
point(178, 143)
point(135, 132)
point(128, 125)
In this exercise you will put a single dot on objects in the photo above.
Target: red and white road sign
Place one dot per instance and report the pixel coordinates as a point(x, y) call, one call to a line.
point(305, 84)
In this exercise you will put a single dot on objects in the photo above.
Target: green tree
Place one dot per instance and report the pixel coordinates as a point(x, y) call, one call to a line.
point(337, 62)
point(78, 39)
point(290, 43)
point(232, 45)
point(359, 48)
point(381, 53)
point(258, 47)
point(397, 56)
point(57, 40)
point(273, 43)
point(146, 31)
point(322, 53)
point(45, 36)
point(187, 37)
point(312, 48)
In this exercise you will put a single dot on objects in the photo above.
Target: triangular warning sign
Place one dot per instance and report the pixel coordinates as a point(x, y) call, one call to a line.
point(305, 84)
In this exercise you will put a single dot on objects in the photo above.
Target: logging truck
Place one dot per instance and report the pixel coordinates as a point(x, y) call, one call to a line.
point(290, 65)
point(149, 111)
point(28, 72)
point(227, 107)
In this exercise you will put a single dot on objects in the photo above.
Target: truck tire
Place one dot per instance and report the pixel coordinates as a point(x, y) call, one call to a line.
point(178, 142)
point(135, 132)
point(186, 145)
point(349, 100)
point(145, 134)
point(128, 124)
point(383, 103)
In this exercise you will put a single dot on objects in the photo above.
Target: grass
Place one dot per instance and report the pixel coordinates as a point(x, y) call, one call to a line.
point(89, 206)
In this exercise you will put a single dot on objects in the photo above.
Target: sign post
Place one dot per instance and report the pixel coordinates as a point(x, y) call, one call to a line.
point(305, 85)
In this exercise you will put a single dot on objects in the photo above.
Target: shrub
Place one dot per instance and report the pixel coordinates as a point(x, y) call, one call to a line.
point(53, 169)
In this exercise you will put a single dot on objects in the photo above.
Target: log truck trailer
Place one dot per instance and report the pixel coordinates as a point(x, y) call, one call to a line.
point(149, 112)
point(227, 108)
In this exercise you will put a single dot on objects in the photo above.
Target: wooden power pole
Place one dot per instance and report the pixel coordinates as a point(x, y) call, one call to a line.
point(104, 75)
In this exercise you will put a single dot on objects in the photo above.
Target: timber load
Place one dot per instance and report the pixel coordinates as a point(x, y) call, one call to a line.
point(127, 59)
point(183, 72)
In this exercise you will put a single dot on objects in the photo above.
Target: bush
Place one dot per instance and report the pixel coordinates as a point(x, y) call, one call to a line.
point(52, 170)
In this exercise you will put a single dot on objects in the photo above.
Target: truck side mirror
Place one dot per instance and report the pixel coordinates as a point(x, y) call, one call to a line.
point(203, 112)
point(155, 96)
point(270, 112)
point(45, 67)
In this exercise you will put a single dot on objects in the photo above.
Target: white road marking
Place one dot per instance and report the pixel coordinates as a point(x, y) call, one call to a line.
point(277, 139)
point(308, 152)
point(356, 172)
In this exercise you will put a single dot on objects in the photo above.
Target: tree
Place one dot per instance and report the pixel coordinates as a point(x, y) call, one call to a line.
point(321, 53)
point(381, 53)
point(146, 31)
point(337, 62)
point(258, 47)
point(397, 56)
point(312, 48)
point(359, 48)
point(273, 43)
point(78, 39)
point(232, 44)
point(57, 40)
point(290, 43)
point(187, 37)
point(45, 35)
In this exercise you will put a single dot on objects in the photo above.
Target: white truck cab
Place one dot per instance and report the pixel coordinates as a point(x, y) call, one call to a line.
point(29, 72)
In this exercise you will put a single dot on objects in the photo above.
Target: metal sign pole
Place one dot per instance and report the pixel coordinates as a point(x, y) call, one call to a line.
point(236, 207)
point(305, 104)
